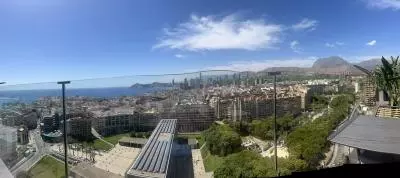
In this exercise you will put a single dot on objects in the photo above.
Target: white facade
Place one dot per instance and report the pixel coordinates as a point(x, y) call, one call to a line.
point(356, 87)
point(8, 142)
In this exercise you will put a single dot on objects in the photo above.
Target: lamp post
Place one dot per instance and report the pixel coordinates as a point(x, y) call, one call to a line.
point(65, 126)
point(275, 139)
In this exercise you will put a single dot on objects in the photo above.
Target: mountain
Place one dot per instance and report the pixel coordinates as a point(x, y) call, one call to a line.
point(329, 62)
point(333, 65)
point(369, 64)
point(337, 65)
point(286, 69)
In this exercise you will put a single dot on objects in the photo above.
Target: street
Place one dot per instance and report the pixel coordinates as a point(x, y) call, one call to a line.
point(27, 163)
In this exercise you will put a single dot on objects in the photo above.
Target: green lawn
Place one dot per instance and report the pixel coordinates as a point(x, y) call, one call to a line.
point(195, 135)
point(211, 162)
point(100, 145)
point(115, 138)
point(47, 167)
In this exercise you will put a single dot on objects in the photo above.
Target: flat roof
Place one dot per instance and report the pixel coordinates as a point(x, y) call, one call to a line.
point(7, 129)
point(113, 112)
point(153, 159)
point(370, 133)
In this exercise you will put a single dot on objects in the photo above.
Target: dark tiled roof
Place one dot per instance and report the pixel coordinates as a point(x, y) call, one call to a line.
point(371, 133)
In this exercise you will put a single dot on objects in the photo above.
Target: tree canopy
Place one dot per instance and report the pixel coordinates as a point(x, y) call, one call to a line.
point(319, 102)
point(264, 128)
point(222, 140)
point(309, 142)
point(245, 164)
point(306, 141)
point(250, 164)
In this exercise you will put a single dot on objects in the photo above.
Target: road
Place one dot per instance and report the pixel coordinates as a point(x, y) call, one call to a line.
point(338, 157)
point(27, 163)
point(340, 152)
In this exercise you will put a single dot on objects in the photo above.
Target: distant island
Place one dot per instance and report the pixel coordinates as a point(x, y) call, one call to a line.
point(151, 85)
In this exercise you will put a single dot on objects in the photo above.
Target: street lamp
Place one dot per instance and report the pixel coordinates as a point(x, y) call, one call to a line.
point(275, 139)
point(65, 126)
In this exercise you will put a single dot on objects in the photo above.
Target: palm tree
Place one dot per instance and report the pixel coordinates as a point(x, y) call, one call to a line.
point(387, 78)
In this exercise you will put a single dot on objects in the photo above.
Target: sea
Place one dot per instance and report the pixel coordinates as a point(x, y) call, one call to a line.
point(28, 96)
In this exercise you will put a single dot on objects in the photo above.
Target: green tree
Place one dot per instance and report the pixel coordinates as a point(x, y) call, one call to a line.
point(250, 164)
point(264, 128)
point(386, 78)
point(319, 102)
point(245, 164)
point(222, 140)
point(308, 142)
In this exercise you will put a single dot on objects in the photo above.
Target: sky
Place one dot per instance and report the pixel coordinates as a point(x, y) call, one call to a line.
point(48, 40)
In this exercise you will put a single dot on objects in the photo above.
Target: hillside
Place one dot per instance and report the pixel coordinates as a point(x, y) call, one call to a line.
point(333, 65)
point(369, 64)
point(329, 62)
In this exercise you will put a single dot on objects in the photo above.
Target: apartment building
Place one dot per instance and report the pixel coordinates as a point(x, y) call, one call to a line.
point(369, 92)
point(113, 121)
point(8, 143)
point(80, 128)
point(23, 135)
point(248, 107)
point(15, 118)
point(191, 117)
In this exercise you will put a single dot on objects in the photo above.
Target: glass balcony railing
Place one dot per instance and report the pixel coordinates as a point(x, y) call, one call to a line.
point(200, 124)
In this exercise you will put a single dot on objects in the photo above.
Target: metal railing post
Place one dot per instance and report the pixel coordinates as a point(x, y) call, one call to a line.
point(275, 125)
point(65, 126)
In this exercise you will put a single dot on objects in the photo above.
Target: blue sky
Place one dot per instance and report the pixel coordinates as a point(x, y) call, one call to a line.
point(47, 40)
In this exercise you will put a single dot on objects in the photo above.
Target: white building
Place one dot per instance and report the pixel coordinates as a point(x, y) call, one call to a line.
point(8, 143)
point(356, 87)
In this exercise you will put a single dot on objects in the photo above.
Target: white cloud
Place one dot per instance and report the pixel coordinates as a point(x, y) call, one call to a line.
point(261, 65)
point(229, 32)
point(371, 43)
point(339, 43)
point(329, 45)
point(332, 45)
point(305, 24)
point(384, 4)
point(294, 45)
point(179, 56)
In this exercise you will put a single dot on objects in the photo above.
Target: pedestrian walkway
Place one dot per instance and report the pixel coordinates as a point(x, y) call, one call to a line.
point(118, 160)
point(198, 165)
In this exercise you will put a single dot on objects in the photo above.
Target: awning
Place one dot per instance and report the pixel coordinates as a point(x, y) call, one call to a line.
point(370, 133)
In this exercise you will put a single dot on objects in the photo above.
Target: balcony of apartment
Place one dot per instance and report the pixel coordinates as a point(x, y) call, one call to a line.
point(112, 123)
point(97, 115)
